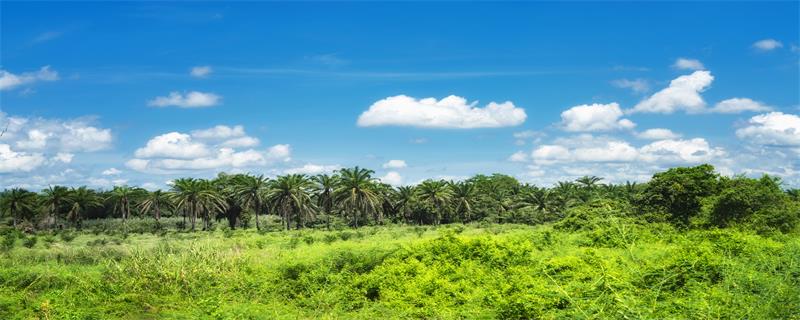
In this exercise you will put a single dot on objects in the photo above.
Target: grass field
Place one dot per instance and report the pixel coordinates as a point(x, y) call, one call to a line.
point(621, 270)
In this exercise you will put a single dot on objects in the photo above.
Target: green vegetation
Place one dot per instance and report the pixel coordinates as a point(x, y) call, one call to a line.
point(687, 244)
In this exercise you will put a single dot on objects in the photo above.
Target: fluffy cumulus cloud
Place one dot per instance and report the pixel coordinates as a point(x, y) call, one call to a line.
point(688, 64)
point(451, 112)
point(772, 129)
point(29, 143)
point(10, 80)
point(200, 71)
point(636, 85)
point(679, 152)
point(767, 45)
point(173, 145)
point(280, 152)
point(219, 132)
point(657, 134)
point(617, 160)
point(192, 99)
point(392, 178)
point(12, 161)
point(395, 164)
point(683, 93)
point(591, 149)
point(739, 105)
point(217, 148)
point(595, 117)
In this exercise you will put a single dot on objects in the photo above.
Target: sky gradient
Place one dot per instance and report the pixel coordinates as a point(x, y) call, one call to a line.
point(102, 94)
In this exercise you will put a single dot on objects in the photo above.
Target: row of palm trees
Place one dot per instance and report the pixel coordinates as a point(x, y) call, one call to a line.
point(352, 194)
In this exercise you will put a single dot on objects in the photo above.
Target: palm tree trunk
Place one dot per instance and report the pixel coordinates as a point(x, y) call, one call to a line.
point(14, 217)
point(258, 208)
point(193, 214)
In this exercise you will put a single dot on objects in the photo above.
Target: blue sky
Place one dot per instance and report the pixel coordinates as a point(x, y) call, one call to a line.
point(127, 93)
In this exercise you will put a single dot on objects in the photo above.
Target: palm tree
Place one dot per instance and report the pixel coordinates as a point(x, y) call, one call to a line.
point(197, 197)
point(290, 196)
point(356, 192)
point(463, 197)
point(325, 187)
point(404, 198)
point(155, 201)
point(384, 192)
point(437, 193)
point(121, 197)
point(588, 182)
point(81, 200)
point(16, 202)
point(249, 190)
point(53, 198)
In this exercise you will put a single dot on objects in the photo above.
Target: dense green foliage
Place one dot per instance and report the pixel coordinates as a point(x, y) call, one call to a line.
point(607, 269)
point(693, 197)
point(687, 244)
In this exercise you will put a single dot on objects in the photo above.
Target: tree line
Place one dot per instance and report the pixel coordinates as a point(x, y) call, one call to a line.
point(686, 197)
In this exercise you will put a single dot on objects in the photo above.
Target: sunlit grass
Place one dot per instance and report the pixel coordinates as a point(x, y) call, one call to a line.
point(453, 271)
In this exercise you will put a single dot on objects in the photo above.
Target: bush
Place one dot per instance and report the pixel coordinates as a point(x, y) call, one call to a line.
point(755, 203)
point(29, 242)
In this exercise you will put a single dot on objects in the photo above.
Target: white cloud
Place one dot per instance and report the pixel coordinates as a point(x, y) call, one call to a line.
point(739, 105)
point(279, 152)
point(695, 150)
point(312, 169)
point(518, 156)
point(636, 85)
point(419, 140)
point(241, 142)
point(172, 145)
point(11, 161)
point(594, 117)
point(683, 93)
point(590, 149)
point(52, 136)
point(9, 80)
point(774, 128)
point(767, 45)
point(522, 136)
point(138, 164)
point(235, 137)
point(658, 134)
point(548, 154)
point(192, 99)
point(225, 157)
point(688, 64)
point(219, 132)
point(63, 157)
point(216, 148)
point(392, 178)
point(111, 172)
point(395, 164)
point(451, 112)
point(200, 71)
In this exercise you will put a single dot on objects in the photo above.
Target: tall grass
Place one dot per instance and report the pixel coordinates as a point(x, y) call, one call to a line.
point(616, 270)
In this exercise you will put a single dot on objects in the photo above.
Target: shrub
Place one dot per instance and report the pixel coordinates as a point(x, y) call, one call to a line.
point(29, 242)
